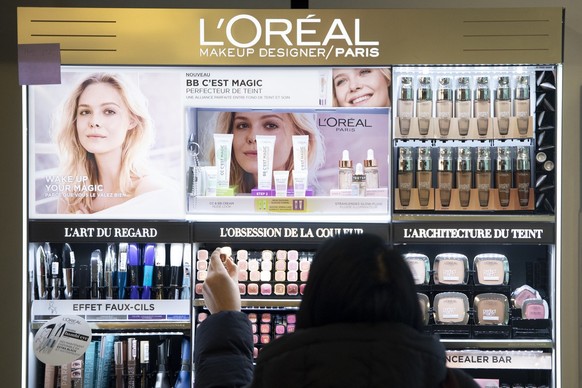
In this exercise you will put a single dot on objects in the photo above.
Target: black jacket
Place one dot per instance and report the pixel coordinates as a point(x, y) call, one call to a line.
point(340, 355)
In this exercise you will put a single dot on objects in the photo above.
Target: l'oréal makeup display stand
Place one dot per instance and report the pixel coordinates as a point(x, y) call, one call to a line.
point(456, 166)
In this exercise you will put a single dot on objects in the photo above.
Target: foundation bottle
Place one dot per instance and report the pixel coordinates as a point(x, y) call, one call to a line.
point(503, 105)
point(444, 105)
point(371, 170)
point(523, 175)
point(464, 175)
point(521, 104)
point(445, 175)
point(405, 105)
point(424, 175)
point(463, 105)
point(345, 171)
point(424, 105)
point(483, 175)
point(405, 175)
point(503, 175)
point(482, 105)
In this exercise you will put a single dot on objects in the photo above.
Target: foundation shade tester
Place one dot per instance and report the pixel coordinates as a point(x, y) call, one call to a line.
point(445, 175)
point(482, 108)
point(419, 265)
point(444, 105)
point(451, 308)
point(491, 309)
point(424, 307)
point(523, 293)
point(345, 171)
point(523, 175)
point(503, 176)
point(451, 268)
point(463, 105)
point(424, 175)
point(535, 309)
point(405, 105)
point(521, 104)
point(502, 106)
point(405, 175)
point(371, 170)
point(464, 175)
point(483, 175)
point(267, 326)
point(424, 104)
point(491, 269)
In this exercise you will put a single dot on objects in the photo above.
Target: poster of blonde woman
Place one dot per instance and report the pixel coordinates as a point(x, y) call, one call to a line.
point(106, 143)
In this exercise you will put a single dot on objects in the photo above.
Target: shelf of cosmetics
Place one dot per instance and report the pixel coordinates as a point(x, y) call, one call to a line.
point(119, 271)
point(145, 361)
point(266, 325)
point(455, 113)
point(464, 179)
point(263, 273)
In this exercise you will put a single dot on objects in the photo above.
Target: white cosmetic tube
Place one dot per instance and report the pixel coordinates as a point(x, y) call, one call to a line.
point(265, 153)
point(299, 183)
point(300, 152)
point(222, 150)
point(281, 180)
point(210, 174)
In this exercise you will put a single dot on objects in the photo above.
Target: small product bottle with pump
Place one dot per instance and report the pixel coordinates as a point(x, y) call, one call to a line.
point(503, 173)
point(445, 175)
point(483, 175)
point(345, 171)
point(424, 175)
point(482, 105)
point(523, 175)
point(444, 105)
point(521, 103)
point(405, 175)
point(503, 105)
point(463, 105)
point(424, 105)
point(359, 182)
point(464, 175)
point(371, 170)
point(405, 105)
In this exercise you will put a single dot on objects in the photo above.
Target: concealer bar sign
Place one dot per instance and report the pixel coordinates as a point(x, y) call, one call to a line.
point(518, 359)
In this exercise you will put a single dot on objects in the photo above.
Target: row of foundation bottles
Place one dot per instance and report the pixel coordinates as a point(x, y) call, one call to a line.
point(464, 178)
point(464, 107)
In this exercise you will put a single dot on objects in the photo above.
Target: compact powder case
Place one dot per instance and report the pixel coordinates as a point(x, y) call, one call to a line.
point(451, 268)
point(523, 293)
point(535, 309)
point(424, 307)
point(491, 269)
point(491, 309)
point(419, 265)
point(451, 308)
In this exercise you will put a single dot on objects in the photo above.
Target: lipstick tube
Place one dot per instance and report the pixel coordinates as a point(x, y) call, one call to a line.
point(405, 175)
point(445, 175)
point(483, 175)
point(503, 175)
point(424, 175)
point(464, 175)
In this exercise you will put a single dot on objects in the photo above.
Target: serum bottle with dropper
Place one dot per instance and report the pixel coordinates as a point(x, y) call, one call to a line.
point(345, 171)
point(405, 105)
point(424, 175)
point(405, 175)
point(424, 105)
point(371, 170)
point(359, 181)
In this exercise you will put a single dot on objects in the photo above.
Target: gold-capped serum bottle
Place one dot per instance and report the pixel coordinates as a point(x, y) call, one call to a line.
point(523, 175)
point(424, 175)
point(521, 104)
point(503, 105)
point(424, 105)
point(464, 175)
point(444, 105)
point(405, 175)
point(483, 175)
point(371, 170)
point(445, 175)
point(345, 171)
point(503, 175)
point(405, 105)
point(463, 105)
point(482, 104)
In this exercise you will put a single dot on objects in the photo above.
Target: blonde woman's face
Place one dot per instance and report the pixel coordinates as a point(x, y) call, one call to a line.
point(361, 87)
point(247, 125)
point(103, 119)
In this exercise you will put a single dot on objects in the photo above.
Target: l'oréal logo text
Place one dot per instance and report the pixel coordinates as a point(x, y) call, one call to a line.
point(302, 37)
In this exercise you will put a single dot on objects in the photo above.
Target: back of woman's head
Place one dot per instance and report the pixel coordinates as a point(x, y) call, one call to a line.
point(357, 278)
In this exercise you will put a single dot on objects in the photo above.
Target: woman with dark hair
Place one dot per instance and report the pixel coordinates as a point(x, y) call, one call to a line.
point(359, 325)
